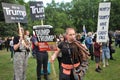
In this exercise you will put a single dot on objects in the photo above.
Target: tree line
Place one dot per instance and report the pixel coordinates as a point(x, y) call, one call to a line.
point(62, 15)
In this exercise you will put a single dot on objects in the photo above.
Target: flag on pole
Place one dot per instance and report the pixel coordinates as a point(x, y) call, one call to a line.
point(84, 30)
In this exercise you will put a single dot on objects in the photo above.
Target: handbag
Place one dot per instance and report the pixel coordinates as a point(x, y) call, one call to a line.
point(112, 49)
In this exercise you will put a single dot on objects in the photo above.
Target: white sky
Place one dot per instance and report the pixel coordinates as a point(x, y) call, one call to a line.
point(49, 1)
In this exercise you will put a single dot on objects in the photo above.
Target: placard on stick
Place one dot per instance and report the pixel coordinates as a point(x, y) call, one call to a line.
point(45, 37)
point(37, 10)
point(14, 13)
point(103, 22)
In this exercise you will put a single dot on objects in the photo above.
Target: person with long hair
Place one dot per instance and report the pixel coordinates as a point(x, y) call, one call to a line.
point(21, 49)
point(70, 56)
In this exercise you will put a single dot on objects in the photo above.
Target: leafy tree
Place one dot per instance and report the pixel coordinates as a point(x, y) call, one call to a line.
point(58, 16)
point(62, 15)
point(5, 28)
point(115, 15)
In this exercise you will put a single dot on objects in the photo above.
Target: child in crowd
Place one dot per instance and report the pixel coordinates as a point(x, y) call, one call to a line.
point(97, 54)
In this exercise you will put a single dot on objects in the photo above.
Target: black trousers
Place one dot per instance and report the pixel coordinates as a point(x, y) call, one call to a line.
point(42, 60)
point(63, 76)
point(91, 52)
point(59, 61)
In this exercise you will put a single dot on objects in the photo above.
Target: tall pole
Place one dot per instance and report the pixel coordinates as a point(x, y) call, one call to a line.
point(42, 22)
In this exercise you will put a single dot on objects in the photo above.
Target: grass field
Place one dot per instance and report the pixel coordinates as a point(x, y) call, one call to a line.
point(111, 72)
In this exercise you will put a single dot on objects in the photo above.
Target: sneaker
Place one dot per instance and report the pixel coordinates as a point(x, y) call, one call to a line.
point(11, 59)
point(104, 66)
point(97, 70)
point(107, 64)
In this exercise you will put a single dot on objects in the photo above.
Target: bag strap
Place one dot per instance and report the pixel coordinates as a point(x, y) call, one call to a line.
point(72, 60)
point(70, 54)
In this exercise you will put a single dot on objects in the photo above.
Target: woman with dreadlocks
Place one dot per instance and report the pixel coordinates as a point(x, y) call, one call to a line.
point(70, 56)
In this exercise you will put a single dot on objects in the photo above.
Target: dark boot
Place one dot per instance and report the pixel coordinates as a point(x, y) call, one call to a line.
point(46, 77)
point(39, 78)
point(99, 68)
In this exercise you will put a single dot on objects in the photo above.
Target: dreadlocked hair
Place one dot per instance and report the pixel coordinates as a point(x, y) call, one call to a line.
point(75, 51)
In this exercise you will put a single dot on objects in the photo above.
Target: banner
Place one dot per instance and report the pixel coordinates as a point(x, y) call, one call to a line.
point(103, 22)
point(14, 13)
point(37, 10)
point(45, 37)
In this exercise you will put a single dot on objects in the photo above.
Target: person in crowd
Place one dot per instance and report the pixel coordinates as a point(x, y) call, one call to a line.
point(61, 39)
point(97, 54)
point(117, 38)
point(70, 56)
point(110, 46)
point(21, 49)
point(81, 39)
point(7, 44)
point(41, 59)
point(59, 57)
point(1, 42)
point(33, 45)
point(78, 37)
point(83, 36)
point(11, 48)
point(28, 39)
point(105, 53)
point(89, 44)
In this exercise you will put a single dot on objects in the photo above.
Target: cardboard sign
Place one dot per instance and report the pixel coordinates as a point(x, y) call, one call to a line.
point(44, 33)
point(103, 22)
point(14, 13)
point(37, 10)
point(47, 46)
point(45, 37)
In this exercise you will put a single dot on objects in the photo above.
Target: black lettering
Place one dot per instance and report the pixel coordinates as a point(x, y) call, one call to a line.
point(104, 9)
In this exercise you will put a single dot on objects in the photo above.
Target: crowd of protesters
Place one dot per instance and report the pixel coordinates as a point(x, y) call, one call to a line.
point(99, 51)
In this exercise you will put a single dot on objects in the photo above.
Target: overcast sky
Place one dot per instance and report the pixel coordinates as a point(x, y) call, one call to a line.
point(49, 1)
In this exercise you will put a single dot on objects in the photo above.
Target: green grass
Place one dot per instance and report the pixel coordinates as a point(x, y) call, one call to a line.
point(112, 72)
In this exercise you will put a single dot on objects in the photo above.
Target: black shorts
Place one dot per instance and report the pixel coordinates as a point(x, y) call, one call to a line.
point(97, 59)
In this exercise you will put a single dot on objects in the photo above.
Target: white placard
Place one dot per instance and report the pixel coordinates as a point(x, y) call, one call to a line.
point(103, 22)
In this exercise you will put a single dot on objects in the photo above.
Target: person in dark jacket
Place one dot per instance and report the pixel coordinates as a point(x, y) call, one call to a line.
point(110, 46)
point(41, 59)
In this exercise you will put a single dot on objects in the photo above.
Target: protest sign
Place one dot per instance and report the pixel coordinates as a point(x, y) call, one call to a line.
point(14, 13)
point(37, 10)
point(45, 37)
point(103, 22)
